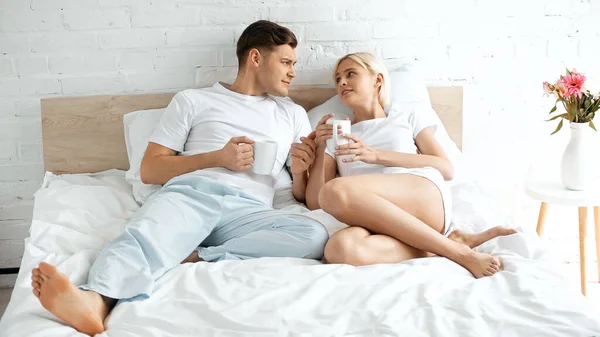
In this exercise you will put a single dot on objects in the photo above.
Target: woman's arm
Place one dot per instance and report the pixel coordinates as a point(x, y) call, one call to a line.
point(432, 154)
point(324, 167)
point(323, 170)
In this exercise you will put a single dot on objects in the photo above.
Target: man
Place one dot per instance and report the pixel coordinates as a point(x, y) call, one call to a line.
point(211, 204)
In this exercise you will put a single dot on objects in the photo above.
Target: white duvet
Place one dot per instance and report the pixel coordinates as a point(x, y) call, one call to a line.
point(76, 215)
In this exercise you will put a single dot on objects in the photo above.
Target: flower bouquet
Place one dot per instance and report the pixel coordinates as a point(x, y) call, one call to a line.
point(580, 104)
point(578, 165)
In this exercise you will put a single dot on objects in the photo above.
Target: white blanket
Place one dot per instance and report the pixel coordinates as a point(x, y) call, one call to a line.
point(76, 215)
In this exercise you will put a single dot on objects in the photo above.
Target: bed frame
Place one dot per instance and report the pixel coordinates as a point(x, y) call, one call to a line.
point(85, 134)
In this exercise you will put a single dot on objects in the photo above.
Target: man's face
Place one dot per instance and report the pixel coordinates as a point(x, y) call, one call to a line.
point(277, 71)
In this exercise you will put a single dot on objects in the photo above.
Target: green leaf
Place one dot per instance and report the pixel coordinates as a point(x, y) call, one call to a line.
point(555, 103)
point(593, 126)
point(586, 106)
point(558, 127)
point(595, 106)
point(570, 114)
point(565, 115)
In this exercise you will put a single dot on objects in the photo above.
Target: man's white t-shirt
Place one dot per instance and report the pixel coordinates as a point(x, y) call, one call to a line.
point(204, 120)
point(397, 132)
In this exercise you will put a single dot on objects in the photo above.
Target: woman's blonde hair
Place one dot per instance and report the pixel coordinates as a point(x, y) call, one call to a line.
point(374, 66)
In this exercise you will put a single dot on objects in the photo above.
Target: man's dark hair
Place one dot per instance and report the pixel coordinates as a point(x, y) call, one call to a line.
point(263, 35)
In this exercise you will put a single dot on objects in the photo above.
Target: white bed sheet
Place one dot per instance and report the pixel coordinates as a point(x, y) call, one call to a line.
point(76, 215)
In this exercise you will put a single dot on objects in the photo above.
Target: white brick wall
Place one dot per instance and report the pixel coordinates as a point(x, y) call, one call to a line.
point(500, 51)
point(96, 19)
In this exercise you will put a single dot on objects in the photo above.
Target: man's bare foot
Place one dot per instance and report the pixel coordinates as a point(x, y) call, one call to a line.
point(192, 258)
point(83, 310)
point(479, 264)
point(474, 240)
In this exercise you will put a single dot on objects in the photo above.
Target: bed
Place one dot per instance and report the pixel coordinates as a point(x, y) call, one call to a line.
point(85, 201)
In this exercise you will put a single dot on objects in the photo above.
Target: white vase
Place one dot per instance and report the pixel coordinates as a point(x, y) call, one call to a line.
point(577, 166)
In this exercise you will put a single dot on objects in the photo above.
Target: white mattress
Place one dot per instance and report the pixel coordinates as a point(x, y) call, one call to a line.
point(76, 215)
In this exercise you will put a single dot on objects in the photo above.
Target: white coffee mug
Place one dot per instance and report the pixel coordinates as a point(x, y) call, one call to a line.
point(265, 153)
point(338, 139)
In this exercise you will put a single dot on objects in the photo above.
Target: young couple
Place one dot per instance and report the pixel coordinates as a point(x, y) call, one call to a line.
point(392, 191)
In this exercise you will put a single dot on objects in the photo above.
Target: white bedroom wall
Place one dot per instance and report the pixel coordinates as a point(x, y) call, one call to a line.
point(500, 51)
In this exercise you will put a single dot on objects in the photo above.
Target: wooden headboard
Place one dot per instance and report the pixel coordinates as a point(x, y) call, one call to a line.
point(85, 134)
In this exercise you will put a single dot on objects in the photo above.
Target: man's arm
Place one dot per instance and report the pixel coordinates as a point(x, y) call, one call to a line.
point(160, 164)
point(299, 182)
point(303, 155)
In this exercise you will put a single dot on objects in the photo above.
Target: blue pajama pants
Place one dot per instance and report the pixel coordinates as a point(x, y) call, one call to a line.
point(197, 213)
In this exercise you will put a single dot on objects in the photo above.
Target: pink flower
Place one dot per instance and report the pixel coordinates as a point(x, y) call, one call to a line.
point(548, 88)
point(572, 83)
point(560, 89)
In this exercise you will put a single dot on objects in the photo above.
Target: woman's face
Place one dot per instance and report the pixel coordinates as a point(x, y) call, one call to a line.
point(355, 85)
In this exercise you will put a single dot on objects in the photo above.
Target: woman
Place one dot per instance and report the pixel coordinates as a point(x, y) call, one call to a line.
point(392, 190)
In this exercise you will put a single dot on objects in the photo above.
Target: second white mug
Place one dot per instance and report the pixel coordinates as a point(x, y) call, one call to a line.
point(265, 153)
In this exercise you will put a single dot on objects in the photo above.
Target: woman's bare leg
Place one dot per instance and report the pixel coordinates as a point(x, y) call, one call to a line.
point(475, 239)
point(83, 310)
point(405, 207)
point(358, 247)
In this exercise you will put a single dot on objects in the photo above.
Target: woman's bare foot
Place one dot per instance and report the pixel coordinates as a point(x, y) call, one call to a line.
point(474, 240)
point(83, 310)
point(192, 258)
point(479, 264)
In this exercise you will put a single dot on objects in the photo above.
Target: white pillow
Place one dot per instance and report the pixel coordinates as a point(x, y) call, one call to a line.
point(139, 127)
point(407, 89)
